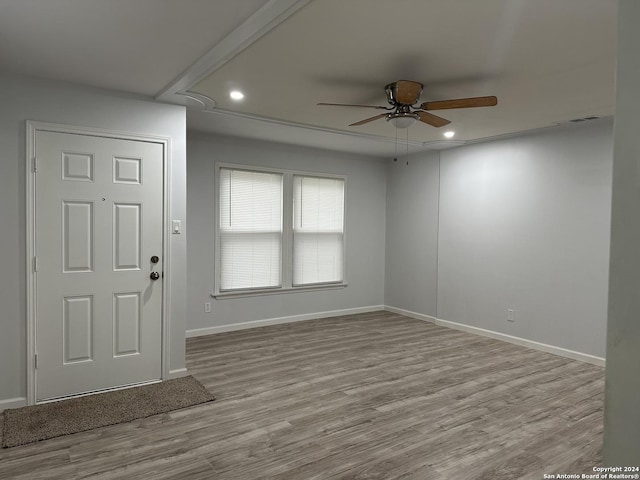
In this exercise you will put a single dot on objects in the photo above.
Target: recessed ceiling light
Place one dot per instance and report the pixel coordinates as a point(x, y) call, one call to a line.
point(236, 95)
point(449, 134)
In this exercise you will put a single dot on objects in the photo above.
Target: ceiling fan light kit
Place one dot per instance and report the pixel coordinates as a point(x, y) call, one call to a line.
point(404, 94)
point(402, 120)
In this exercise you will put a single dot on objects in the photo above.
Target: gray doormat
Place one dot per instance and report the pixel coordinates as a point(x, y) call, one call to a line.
point(40, 422)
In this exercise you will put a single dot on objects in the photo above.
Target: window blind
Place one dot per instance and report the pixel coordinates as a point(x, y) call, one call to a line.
point(318, 230)
point(250, 229)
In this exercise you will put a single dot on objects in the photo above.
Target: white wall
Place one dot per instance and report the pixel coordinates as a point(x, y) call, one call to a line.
point(523, 225)
point(24, 99)
point(365, 227)
point(412, 234)
point(622, 384)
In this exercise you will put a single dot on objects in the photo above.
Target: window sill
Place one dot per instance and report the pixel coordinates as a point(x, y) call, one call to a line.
point(276, 291)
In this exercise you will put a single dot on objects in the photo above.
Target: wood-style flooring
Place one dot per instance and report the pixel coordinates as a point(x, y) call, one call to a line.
point(374, 396)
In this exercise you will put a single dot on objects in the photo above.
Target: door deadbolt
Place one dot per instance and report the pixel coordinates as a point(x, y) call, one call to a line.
point(155, 259)
point(154, 276)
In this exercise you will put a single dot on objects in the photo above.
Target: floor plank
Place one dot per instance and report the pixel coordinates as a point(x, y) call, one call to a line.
point(361, 397)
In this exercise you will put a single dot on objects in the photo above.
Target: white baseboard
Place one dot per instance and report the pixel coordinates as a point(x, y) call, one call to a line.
point(12, 403)
point(409, 313)
point(543, 347)
point(198, 332)
point(177, 373)
point(563, 352)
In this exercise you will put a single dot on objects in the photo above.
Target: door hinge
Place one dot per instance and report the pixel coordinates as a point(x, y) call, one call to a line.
point(35, 264)
point(35, 164)
point(35, 361)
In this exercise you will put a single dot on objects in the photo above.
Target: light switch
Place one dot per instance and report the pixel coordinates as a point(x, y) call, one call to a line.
point(176, 226)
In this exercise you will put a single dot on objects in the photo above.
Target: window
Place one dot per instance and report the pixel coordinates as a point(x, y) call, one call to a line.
point(318, 207)
point(250, 229)
point(278, 230)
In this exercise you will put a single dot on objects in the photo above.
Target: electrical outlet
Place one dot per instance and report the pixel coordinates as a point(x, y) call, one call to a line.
point(511, 315)
point(207, 307)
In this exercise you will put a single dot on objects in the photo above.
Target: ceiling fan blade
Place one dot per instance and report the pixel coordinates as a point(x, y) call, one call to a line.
point(461, 103)
point(354, 105)
point(433, 120)
point(407, 92)
point(367, 120)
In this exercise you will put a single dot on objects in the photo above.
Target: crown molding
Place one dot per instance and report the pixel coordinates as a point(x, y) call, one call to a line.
point(207, 103)
point(249, 118)
point(242, 125)
point(245, 125)
point(308, 127)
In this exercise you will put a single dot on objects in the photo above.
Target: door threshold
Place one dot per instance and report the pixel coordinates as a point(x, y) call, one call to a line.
point(93, 392)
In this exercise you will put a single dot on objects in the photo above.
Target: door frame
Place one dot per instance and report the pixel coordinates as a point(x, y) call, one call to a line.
point(32, 127)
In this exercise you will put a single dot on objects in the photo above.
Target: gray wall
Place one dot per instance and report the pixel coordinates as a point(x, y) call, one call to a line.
point(412, 234)
point(522, 224)
point(365, 227)
point(24, 99)
point(622, 385)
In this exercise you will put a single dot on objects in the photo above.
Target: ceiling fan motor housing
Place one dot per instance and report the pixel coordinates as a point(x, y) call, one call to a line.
point(403, 92)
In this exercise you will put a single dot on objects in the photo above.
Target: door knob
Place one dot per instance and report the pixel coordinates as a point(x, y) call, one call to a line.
point(155, 259)
point(154, 276)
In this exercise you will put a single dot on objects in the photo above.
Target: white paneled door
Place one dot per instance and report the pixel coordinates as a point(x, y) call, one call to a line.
point(98, 227)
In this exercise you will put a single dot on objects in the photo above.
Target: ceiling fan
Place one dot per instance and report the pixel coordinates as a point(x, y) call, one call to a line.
point(404, 94)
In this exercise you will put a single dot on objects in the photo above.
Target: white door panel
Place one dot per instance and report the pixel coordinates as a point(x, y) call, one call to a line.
point(99, 211)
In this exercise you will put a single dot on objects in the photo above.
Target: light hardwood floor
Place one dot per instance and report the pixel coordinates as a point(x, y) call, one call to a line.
point(374, 396)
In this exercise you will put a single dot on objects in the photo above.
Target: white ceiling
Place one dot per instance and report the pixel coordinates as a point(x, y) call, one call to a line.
point(548, 61)
point(135, 46)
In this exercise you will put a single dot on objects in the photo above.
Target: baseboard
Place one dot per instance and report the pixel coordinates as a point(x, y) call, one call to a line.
point(177, 373)
point(198, 332)
point(12, 403)
point(543, 347)
point(409, 313)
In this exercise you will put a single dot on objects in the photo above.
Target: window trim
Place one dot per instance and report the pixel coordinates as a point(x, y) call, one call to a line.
point(287, 235)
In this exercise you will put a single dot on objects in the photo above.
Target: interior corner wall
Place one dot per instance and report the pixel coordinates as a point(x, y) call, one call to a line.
point(364, 229)
point(622, 380)
point(524, 225)
point(412, 234)
point(519, 223)
point(23, 99)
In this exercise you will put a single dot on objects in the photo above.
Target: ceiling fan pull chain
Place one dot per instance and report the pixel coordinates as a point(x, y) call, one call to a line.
point(407, 158)
point(395, 150)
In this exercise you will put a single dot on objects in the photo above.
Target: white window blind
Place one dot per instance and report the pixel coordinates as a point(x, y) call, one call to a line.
point(250, 229)
point(318, 230)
